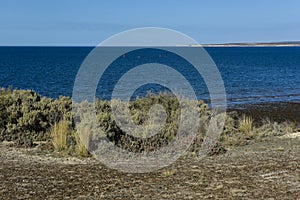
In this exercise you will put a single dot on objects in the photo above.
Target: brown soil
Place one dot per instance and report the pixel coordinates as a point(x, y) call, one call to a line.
point(276, 111)
point(266, 169)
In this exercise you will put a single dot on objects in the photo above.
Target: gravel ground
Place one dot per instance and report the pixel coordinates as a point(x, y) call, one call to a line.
point(266, 169)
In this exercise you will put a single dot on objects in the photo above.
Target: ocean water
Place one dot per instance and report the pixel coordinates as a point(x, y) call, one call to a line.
point(250, 74)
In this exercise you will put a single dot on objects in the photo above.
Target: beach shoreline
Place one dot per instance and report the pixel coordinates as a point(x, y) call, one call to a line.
point(245, 169)
point(274, 111)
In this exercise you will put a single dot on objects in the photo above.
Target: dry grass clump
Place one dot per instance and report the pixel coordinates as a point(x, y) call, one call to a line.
point(246, 124)
point(241, 130)
point(82, 142)
point(168, 173)
point(65, 139)
point(271, 128)
point(59, 134)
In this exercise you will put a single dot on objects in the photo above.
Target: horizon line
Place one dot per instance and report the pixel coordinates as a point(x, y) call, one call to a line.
point(274, 43)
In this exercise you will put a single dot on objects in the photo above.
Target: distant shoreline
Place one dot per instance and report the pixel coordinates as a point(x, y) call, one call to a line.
point(251, 44)
point(236, 44)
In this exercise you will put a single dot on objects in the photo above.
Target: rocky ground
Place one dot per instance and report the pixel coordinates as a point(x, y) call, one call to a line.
point(265, 169)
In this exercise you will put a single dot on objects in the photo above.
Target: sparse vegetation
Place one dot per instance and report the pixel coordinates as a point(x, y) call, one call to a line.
point(26, 117)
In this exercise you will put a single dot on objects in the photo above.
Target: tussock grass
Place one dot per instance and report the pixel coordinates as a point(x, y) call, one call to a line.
point(65, 139)
point(82, 142)
point(59, 134)
point(246, 124)
point(168, 173)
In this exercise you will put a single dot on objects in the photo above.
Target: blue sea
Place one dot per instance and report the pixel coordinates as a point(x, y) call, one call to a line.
point(250, 74)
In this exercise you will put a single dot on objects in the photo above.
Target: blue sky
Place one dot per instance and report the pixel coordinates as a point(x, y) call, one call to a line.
point(88, 22)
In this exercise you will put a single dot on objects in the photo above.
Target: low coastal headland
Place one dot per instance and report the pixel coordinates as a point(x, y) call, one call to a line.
point(256, 156)
point(251, 44)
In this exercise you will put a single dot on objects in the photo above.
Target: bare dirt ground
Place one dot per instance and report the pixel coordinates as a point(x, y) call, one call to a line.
point(265, 169)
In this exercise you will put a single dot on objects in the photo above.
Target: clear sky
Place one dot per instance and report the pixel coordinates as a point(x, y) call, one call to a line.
point(88, 22)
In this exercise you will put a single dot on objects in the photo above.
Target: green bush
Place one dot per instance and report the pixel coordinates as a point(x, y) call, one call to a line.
point(139, 112)
point(26, 116)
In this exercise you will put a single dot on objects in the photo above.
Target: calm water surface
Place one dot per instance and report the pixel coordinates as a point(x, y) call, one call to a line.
point(250, 74)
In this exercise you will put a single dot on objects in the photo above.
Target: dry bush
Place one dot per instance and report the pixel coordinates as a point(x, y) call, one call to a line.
point(271, 128)
point(139, 112)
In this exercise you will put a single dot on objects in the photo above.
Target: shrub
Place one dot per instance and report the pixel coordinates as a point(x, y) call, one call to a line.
point(27, 116)
point(139, 112)
point(271, 128)
point(239, 131)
